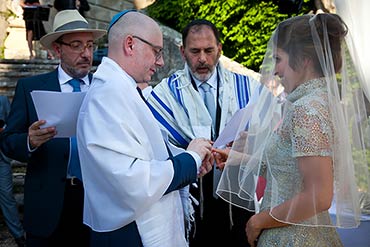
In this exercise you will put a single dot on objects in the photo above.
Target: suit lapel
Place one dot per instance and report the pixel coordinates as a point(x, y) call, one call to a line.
point(50, 81)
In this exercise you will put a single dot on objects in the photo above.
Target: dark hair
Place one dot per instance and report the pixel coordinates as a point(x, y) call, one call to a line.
point(294, 36)
point(196, 24)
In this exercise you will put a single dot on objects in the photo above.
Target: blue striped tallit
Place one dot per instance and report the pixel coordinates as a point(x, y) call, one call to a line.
point(181, 111)
point(243, 89)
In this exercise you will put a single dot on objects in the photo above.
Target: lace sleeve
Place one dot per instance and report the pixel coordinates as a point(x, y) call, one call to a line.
point(312, 131)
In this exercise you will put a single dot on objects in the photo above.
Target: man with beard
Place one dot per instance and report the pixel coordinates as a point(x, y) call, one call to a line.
point(198, 101)
point(53, 190)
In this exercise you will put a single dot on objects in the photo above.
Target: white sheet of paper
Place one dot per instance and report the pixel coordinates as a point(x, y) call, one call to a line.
point(59, 109)
point(230, 132)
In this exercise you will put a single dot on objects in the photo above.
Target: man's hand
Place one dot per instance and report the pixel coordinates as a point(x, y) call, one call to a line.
point(233, 157)
point(206, 166)
point(39, 136)
point(203, 148)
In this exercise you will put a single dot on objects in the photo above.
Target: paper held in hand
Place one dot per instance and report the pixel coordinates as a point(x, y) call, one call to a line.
point(59, 109)
point(237, 123)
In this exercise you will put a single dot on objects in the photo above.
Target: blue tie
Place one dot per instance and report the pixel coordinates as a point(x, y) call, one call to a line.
point(76, 84)
point(74, 168)
point(209, 101)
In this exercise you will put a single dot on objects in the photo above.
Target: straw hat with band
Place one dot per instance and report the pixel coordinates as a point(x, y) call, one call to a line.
point(69, 21)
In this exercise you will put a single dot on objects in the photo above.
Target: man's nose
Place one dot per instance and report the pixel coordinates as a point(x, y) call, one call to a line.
point(160, 62)
point(202, 57)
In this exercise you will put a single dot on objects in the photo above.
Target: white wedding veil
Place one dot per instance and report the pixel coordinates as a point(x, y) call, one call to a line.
point(345, 130)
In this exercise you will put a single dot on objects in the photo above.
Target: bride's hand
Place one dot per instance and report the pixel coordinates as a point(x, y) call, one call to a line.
point(220, 156)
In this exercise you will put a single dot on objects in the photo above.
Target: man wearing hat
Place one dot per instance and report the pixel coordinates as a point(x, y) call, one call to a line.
point(53, 190)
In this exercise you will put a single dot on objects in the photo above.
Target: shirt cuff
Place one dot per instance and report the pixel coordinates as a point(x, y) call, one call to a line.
point(29, 146)
point(196, 157)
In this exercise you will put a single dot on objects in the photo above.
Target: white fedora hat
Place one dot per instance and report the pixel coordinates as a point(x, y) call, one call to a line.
point(69, 21)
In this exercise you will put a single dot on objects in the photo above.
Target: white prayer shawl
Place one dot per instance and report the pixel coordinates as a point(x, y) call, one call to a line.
point(124, 162)
point(182, 112)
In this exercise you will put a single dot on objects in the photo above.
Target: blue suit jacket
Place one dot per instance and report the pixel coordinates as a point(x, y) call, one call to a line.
point(4, 108)
point(47, 165)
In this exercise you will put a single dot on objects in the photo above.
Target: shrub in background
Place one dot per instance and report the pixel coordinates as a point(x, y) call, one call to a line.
point(245, 25)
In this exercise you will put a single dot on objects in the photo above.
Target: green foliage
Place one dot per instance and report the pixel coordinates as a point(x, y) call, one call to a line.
point(2, 52)
point(6, 15)
point(245, 25)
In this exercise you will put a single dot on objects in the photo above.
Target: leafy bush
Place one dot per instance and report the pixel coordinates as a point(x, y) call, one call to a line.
point(245, 25)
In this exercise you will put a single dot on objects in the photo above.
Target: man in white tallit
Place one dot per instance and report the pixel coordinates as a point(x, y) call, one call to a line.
point(178, 103)
point(131, 177)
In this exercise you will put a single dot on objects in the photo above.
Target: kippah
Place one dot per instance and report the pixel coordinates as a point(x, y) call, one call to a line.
point(118, 16)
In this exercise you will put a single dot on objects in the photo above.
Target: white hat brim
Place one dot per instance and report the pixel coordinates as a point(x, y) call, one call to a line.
point(48, 39)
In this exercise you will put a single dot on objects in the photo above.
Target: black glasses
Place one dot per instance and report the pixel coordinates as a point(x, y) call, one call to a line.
point(78, 46)
point(158, 51)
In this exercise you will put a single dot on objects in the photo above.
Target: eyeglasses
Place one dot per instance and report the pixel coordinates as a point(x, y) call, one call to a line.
point(158, 51)
point(78, 46)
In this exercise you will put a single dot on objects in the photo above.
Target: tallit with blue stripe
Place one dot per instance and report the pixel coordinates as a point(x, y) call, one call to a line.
point(178, 106)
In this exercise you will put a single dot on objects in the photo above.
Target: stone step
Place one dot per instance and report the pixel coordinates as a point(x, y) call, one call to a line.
point(11, 70)
point(24, 63)
point(18, 178)
point(6, 68)
point(7, 82)
point(23, 73)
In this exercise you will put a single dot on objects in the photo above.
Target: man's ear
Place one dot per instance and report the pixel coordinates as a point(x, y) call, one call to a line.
point(128, 44)
point(57, 49)
point(219, 48)
point(182, 51)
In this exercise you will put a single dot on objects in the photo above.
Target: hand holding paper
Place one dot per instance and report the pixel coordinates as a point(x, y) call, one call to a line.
point(38, 135)
point(59, 109)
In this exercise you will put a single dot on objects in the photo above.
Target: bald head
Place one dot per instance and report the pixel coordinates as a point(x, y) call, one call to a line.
point(135, 43)
point(132, 23)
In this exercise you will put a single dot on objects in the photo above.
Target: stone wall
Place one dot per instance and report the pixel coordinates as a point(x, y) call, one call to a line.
point(102, 11)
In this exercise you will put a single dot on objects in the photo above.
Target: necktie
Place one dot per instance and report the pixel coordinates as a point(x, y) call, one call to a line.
point(74, 168)
point(76, 84)
point(209, 101)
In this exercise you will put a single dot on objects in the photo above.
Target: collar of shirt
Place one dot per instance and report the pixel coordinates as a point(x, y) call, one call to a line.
point(63, 77)
point(212, 81)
